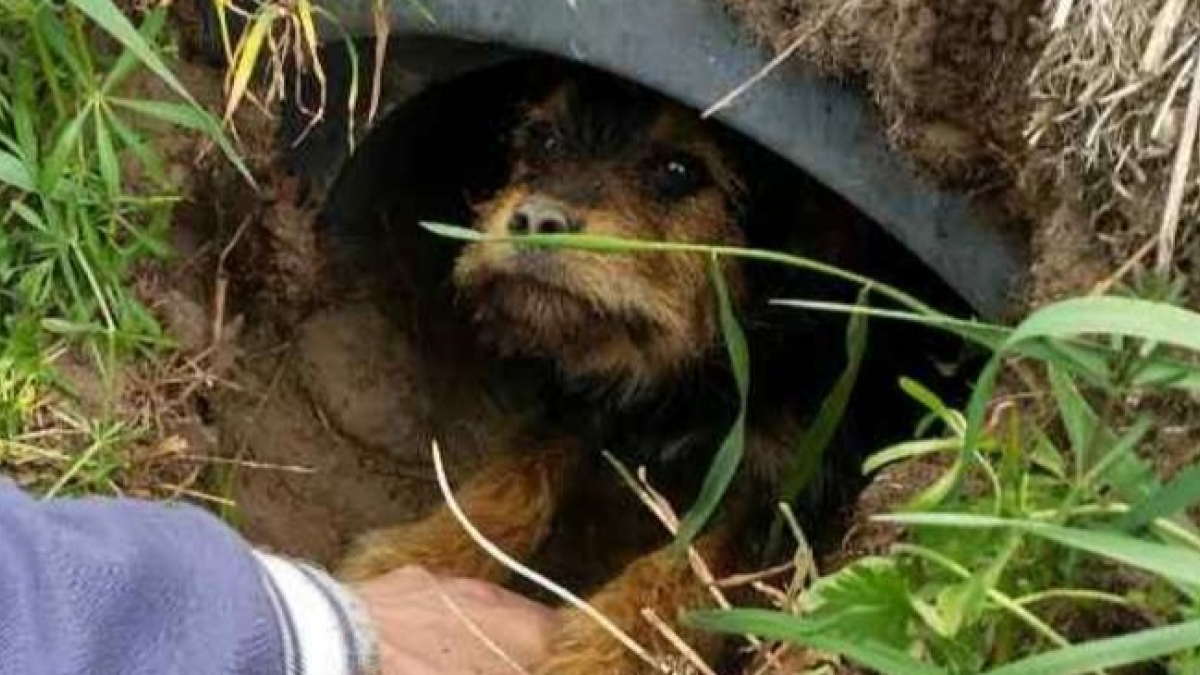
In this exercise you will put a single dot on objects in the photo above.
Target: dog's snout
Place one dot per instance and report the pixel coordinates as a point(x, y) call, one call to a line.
point(538, 215)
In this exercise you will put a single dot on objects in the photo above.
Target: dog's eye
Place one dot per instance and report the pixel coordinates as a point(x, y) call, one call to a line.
point(541, 139)
point(678, 170)
point(678, 175)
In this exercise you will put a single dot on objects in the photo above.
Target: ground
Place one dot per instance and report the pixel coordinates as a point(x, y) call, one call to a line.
point(317, 401)
point(944, 74)
point(985, 95)
point(311, 408)
point(340, 403)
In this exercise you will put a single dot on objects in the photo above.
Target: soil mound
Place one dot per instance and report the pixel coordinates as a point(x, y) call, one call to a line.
point(1075, 114)
point(948, 76)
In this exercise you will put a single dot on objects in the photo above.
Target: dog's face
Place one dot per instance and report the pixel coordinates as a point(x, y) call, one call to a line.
point(605, 161)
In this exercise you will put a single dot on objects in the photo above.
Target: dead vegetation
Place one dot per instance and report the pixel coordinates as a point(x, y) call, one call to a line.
point(1117, 97)
point(1072, 109)
point(947, 76)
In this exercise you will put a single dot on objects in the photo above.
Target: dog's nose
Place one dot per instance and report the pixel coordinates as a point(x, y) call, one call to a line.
point(537, 215)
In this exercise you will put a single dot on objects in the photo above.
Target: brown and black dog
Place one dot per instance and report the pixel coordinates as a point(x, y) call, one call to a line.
point(634, 349)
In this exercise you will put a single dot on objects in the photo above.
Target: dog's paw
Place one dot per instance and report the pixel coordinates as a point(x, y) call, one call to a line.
point(376, 553)
point(583, 647)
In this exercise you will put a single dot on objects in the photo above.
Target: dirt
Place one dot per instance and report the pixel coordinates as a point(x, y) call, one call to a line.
point(944, 74)
point(955, 86)
point(336, 425)
point(315, 405)
point(1067, 258)
point(301, 424)
point(890, 489)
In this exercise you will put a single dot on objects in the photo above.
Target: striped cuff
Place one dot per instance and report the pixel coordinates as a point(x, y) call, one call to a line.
point(325, 630)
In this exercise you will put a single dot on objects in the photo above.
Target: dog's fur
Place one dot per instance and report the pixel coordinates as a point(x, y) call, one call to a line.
point(632, 347)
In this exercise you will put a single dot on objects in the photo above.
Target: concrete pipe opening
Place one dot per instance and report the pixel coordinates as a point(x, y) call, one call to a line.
point(691, 52)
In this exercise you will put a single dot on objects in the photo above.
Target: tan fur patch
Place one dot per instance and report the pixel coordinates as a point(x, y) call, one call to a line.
point(511, 501)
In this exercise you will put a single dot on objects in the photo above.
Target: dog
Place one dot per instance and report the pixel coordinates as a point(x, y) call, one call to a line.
point(630, 354)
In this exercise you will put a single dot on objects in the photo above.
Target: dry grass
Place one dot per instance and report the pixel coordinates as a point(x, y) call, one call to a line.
point(135, 426)
point(281, 35)
point(119, 434)
point(1117, 97)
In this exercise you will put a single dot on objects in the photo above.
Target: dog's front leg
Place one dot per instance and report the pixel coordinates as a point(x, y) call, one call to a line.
point(662, 581)
point(511, 501)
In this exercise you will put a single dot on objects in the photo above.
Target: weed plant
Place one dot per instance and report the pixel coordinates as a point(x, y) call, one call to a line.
point(84, 200)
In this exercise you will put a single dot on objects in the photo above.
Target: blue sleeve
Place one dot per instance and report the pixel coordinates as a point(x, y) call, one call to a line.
point(118, 587)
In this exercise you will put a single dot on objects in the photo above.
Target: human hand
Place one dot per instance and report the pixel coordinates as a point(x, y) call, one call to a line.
point(428, 625)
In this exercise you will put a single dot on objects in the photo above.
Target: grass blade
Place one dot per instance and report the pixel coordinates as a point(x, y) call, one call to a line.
point(952, 419)
point(909, 450)
point(246, 59)
point(1084, 427)
point(1087, 360)
point(66, 143)
point(607, 244)
point(106, 154)
point(191, 118)
point(108, 16)
point(981, 396)
point(1121, 470)
point(142, 151)
point(1152, 321)
point(829, 417)
point(984, 334)
point(13, 172)
point(1125, 650)
point(1170, 499)
point(778, 626)
point(422, 9)
point(173, 113)
point(127, 61)
point(729, 458)
point(1178, 564)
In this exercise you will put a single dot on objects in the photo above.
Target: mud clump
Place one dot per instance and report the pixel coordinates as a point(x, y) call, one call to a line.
point(331, 434)
point(363, 374)
point(1067, 258)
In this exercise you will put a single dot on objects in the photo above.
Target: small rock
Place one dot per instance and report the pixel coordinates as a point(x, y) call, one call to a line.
point(185, 320)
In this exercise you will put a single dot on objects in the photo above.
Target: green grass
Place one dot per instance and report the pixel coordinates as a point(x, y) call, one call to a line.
point(84, 200)
point(985, 573)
